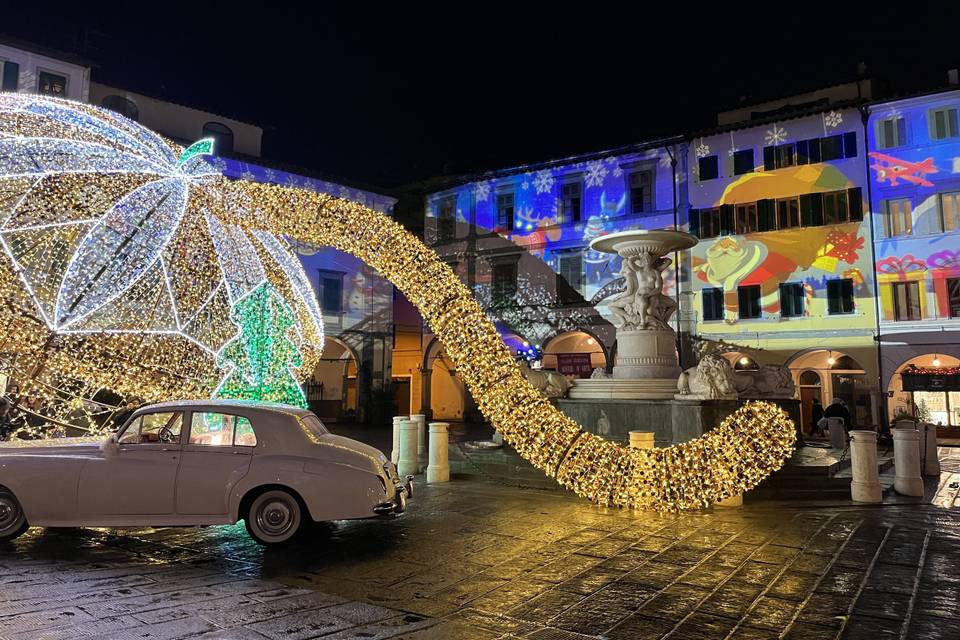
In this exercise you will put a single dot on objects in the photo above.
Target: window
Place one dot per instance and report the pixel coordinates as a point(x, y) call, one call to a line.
point(891, 132)
point(898, 218)
point(950, 211)
point(221, 430)
point(943, 123)
point(51, 84)
point(641, 191)
point(953, 296)
point(788, 213)
point(791, 300)
point(331, 291)
point(446, 220)
point(505, 210)
point(742, 162)
point(569, 210)
point(712, 304)
point(222, 137)
point(571, 269)
point(705, 223)
point(831, 148)
point(709, 168)
point(504, 280)
point(121, 105)
point(840, 296)
point(835, 207)
point(154, 428)
point(906, 301)
point(10, 76)
point(746, 218)
point(780, 156)
point(748, 299)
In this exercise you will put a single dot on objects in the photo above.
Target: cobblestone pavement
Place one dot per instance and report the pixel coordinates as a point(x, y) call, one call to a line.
point(475, 561)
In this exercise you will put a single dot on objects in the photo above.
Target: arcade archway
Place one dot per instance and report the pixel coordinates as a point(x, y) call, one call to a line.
point(574, 353)
point(931, 396)
point(827, 374)
point(332, 389)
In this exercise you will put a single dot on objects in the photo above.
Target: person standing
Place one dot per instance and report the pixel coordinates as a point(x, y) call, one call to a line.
point(816, 411)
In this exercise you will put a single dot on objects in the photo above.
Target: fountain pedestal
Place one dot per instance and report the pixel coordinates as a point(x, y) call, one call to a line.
point(646, 366)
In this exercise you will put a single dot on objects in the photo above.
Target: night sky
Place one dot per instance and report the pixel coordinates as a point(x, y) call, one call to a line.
point(389, 95)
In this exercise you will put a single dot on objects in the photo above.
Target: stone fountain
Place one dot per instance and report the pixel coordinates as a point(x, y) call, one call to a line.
point(646, 366)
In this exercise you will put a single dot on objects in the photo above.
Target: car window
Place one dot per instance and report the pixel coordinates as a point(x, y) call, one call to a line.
point(148, 428)
point(221, 430)
point(313, 423)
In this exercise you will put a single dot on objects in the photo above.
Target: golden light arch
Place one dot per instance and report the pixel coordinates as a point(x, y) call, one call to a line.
point(734, 457)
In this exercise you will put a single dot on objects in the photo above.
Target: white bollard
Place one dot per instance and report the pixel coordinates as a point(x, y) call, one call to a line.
point(931, 461)
point(642, 439)
point(865, 486)
point(408, 464)
point(395, 454)
point(421, 421)
point(439, 468)
point(906, 455)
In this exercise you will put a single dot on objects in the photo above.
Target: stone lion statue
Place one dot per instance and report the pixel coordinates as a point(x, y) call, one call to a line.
point(771, 381)
point(712, 379)
point(549, 383)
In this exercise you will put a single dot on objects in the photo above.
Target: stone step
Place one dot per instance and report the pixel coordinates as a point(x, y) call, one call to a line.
point(503, 465)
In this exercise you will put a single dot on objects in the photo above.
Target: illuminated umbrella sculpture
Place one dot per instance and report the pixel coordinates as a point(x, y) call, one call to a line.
point(132, 265)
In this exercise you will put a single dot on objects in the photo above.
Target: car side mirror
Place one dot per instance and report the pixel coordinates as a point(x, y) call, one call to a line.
point(110, 447)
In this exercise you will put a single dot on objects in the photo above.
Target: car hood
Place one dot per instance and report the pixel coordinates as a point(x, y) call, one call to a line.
point(349, 444)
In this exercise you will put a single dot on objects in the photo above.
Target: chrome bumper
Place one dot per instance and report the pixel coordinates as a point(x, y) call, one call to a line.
point(398, 505)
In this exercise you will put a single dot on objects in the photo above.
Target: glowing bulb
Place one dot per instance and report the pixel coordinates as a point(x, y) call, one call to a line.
point(526, 344)
point(744, 360)
point(831, 361)
point(936, 362)
point(590, 341)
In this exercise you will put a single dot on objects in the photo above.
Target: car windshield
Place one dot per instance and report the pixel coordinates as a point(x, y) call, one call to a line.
point(313, 424)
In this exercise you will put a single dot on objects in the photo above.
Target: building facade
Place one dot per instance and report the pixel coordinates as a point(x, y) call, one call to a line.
point(784, 264)
point(915, 184)
point(519, 239)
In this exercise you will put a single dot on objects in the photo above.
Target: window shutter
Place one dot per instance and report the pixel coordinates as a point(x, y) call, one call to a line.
point(850, 144)
point(11, 76)
point(769, 158)
point(833, 299)
point(816, 206)
point(806, 210)
point(954, 129)
point(855, 202)
point(766, 215)
point(726, 219)
point(803, 152)
point(901, 132)
point(814, 150)
point(694, 220)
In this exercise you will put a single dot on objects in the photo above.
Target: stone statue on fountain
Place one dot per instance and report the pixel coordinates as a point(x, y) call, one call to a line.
point(642, 305)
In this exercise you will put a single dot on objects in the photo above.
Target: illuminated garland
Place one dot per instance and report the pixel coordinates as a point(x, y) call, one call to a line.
point(735, 457)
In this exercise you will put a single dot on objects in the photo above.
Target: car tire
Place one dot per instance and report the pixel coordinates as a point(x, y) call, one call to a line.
point(13, 521)
point(274, 517)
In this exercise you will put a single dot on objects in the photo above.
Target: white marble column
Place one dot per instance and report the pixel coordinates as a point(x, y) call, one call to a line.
point(865, 486)
point(408, 464)
point(439, 468)
point(931, 461)
point(906, 453)
point(395, 453)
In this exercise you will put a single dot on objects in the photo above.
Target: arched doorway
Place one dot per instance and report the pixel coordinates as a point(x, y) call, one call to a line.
point(574, 353)
point(840, 376)
point(932, 397)
point(332, 390)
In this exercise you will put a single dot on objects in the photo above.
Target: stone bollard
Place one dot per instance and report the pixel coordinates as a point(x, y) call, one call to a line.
point(421, 421)
point(395, 454)
point(906, 454)
point(931, 461)
point(439, 468)
point(642, 439)
point(838, 435)
point(865, 486)
point(408, 464)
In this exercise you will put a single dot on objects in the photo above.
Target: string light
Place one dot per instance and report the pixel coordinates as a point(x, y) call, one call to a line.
point(733, 458)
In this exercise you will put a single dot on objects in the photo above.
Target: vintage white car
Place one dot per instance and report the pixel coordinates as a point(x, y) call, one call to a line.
point(200, 462)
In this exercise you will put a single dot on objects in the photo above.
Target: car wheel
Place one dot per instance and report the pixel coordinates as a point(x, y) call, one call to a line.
point(274, 517)
point(13, 522)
